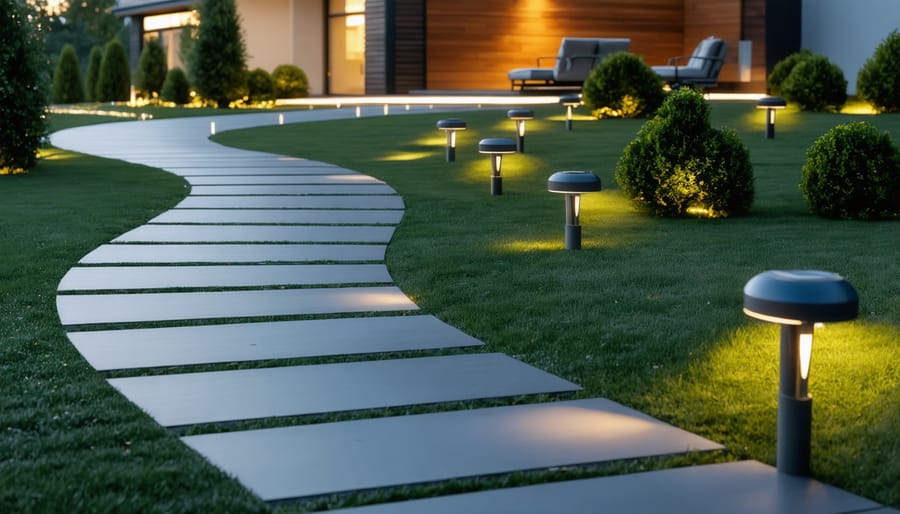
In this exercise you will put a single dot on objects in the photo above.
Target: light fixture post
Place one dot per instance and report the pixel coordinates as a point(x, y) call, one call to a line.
point(451, 126)
point(520, 116)
point(496, 148)
point(572, 184)
point(570, 101)
point(771, 104)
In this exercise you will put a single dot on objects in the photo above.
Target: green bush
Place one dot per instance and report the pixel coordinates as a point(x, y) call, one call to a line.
point(176, 88)
point(783, 68)
point(152, 68)
point(219, 56)
point(67, 87)
point(679, 165)
point(260, 85)
point(290, 82)
point(878, 82)
point(623, 86)
point(24, 88)
point(816, 84)
point(114, 81)
point(93, 74)
point(853, 172)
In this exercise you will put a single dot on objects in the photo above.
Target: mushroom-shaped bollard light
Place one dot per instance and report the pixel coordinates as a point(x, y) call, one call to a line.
point(569, 101)
point(520, 116)
point(572, 184)
point(771, 104)
point(496, 147)
point(451, 126)
point(797, 300)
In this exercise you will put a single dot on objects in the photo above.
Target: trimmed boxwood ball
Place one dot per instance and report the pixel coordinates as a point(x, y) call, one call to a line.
point(260, 85)
point(853, 172)
point(680, 166)
point(623, 86)
point(816, 84)
point(878, 82)
point(783, 68)
point(290, 81)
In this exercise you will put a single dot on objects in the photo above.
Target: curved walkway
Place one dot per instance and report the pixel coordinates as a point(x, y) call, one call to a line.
point(271, 258)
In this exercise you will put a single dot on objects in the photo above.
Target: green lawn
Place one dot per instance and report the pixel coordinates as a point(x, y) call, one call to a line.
point(649, 313)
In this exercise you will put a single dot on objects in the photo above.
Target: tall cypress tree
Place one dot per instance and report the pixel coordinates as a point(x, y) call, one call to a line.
point(92, 74)
point(152, 68)
point(114, 82)
point(219, 57)
point(67, 87)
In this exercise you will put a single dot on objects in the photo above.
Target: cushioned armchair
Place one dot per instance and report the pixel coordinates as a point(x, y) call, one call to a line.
point(701, 69)
point(573, 63)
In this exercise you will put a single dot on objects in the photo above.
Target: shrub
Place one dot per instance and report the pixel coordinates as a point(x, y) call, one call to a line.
point(93, 74)
point(260, 85)
point(623, 86)
point(878, 81)
point(679, 165)
point(67, 87)
point(853, 172)
point(176, 88)
point(152, 67)
point(816, 84)
point(290, 82)
point(783, 68)
point(219, 56)
point(114, 81)
point(23, 88)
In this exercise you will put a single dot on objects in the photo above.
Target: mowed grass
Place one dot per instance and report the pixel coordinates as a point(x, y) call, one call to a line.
point(649, 312)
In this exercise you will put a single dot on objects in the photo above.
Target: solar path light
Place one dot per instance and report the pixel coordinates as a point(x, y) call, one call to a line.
point(569, 101)
point(520, 116)
point(496, 147)
point(797, 300)
point(573, 184)
point(451, 126)
point(771, 104)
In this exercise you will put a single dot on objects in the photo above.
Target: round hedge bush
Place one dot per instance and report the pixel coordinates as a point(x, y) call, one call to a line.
point(680, 166)
point(176, 88)
point(816, 84)
point(878, 82)
point(290, 82)
point(261, 85)
point(853, 172)
point(623, 86)
point(783, 68)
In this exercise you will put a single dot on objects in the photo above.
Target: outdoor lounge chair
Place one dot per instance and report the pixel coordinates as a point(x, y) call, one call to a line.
point(702, 68)
point(574, 62)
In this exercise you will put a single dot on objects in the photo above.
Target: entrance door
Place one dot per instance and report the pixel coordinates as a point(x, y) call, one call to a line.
point(347, 47)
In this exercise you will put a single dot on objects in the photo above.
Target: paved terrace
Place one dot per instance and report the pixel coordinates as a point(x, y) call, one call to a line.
point(264, 237)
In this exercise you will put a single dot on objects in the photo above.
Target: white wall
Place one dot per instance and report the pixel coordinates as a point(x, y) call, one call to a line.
point(848, 31)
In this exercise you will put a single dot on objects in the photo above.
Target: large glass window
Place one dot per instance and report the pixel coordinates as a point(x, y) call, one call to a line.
point(347, 47)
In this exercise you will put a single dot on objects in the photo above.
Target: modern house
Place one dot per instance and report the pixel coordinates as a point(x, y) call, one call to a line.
point(397, 46)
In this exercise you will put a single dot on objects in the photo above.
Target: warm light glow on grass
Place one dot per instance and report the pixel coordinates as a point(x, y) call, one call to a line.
point(406, 156)
point(856, 106)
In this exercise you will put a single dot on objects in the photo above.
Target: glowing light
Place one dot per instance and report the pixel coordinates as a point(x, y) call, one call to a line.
point(805, 354)
point(170, 21)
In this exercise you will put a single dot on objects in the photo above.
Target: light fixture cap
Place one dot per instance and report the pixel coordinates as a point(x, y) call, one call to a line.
point(520, 114)
point(570, 99)
point(573, 182)
point(795, 297)
point(771, 102)
point(497, 145)
point(451, 124)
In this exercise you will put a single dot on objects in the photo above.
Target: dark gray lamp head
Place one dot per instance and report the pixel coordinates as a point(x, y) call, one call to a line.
point(573, 182)
point(794, 297)
point(497, 145)
point(570, 99)
point(451, 124)
point(771, 102)
point(520, 114)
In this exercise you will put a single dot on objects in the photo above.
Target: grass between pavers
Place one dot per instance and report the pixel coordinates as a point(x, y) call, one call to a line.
point(649, 312)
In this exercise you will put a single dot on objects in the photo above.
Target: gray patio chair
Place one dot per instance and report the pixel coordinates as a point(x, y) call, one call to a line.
point(702, 68)
point(574, 61)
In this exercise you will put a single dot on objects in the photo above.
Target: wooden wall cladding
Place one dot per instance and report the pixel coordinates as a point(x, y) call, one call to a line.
point(471, 44)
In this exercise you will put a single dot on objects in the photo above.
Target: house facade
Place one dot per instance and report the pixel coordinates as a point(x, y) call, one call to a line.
point(397, 46)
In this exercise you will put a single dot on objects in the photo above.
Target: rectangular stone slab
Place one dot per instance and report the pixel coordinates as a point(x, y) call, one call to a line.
point(219, 396)
point(256, 233)
point(181, 346)
point(193, 170)
point(358, 179)
point(96, 278)
point(294, 216)
point(313, 189)
point(231, 253)
point(142, 307)
point(293, 202)
point(746, 487)
point(328, 458)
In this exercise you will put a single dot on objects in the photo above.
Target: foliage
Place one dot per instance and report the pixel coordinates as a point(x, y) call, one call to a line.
point(623, 86)
point(816, 84)
point(261, 85)
point(23, 88)
point(176, 88)
point(83, 24)
point(290, 81)
point(218, 61)
point(92, 76)
point(679, 165)
point(67, 87)
point(151, 71)
point(783, 68)
point(878, 81)
point(853, 172)
point(114, 82)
